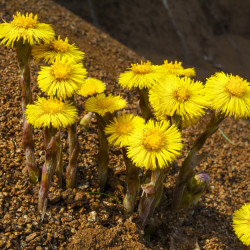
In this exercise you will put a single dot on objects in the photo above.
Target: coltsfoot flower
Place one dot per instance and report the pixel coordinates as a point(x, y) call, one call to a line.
point(182, 96)
point(141, 75)
point(122, 127)
point(241, 223)
point(229, 94)
point(155, 146)
point(57, 48)
point(102, 104)
point(62, 79)
point(51, 112)
point(26, 27)
point(177, 69)
point(90, 87)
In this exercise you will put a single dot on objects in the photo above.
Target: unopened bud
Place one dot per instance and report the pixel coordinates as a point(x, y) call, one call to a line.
point(199, 183)
point(84, 123)
point(195, 188)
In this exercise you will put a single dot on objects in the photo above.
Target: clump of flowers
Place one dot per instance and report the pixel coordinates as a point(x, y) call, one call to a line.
point(169, 101)
point(21, 33)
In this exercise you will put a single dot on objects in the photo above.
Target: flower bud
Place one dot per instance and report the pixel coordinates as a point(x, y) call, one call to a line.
point(84, 123)
point(195, 188)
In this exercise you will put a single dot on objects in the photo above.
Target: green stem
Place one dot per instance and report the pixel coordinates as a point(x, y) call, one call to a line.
point(133, 183)
point(103, 154)
point(187, 170)
point(48, 168)
point(23, 51)
point(152, 193)
point(144, 104)
point(74, 148)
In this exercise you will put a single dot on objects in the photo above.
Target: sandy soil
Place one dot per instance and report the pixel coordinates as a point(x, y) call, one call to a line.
point(78, 219)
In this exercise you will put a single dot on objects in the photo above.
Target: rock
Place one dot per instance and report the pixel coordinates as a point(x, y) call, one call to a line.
point(31, 237)
point(79, 196)
point(93, 217)
point(68, 196)
point(54, 197)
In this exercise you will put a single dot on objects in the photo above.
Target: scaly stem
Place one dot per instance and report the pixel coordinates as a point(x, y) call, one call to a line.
point(23, 51)
point(48, 168)
point(144, 104)
point(133, 183)
point(187, 170)
point(103, 154)
point(74, 148)
point(59, 166)
point(152, 193)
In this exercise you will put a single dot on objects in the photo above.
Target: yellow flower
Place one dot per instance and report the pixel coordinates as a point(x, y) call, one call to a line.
point(25, 27)
point(121, 128)
point(154, 146)
point(51, 112)
point(102, 104)
point(229, 94)
point(91, 86)
point(63, 78)
point(176, 68)
point(143, 75)
point(57, 48)
point(241, 223)
point(182, 96)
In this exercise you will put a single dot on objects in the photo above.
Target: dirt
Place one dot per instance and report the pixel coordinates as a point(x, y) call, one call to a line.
point(80, 219)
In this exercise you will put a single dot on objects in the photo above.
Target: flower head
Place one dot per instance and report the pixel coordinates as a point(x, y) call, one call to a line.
point(102, 104)
point(63, 78)
point(177, 69)
point(241, 223)
point(182, 96)
point(25, 27)
point(141, 75)
point(57, 48)
point(51, 112)
point(154, 146)
point(90, 87)
point(229, 94)
point(121, 128)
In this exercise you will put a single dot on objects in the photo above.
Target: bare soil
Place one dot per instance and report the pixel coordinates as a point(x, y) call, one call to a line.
point(80, 219)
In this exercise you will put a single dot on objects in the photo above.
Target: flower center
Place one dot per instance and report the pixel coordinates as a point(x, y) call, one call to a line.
point(236, 87)
point(173, 66)
point(153, 140)
point(182, 94)
point(26, 22)
point(124, 128)
point(60, 71)
point(52, 106)
point(59, 45)
point(104, 103)
point(143, 68)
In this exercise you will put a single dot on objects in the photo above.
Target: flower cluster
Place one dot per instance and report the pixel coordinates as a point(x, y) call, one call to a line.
point(169, 99)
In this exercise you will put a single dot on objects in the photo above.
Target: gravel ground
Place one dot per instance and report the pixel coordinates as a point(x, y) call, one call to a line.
point(77, 219)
